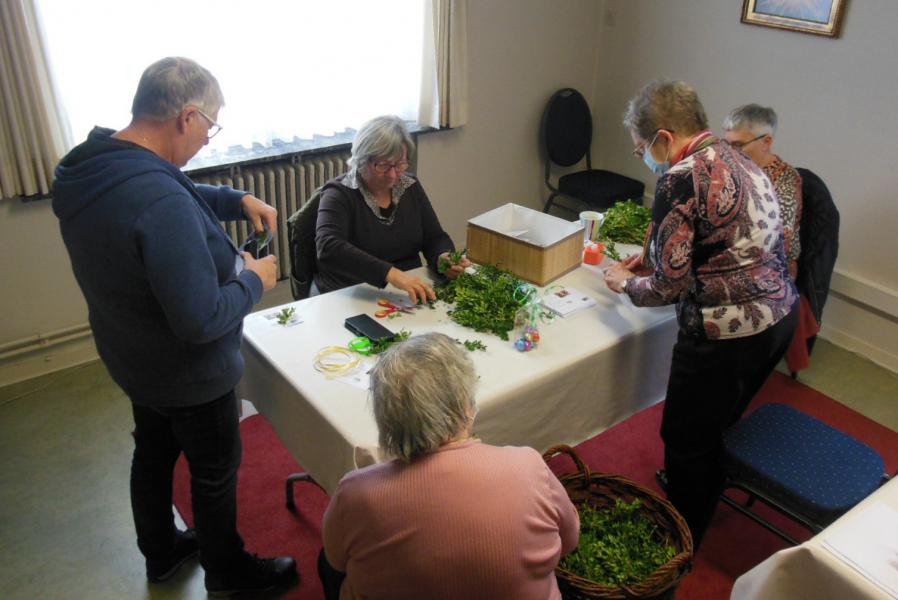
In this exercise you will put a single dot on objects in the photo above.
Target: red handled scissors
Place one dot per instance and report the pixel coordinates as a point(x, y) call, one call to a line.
point(390, 308)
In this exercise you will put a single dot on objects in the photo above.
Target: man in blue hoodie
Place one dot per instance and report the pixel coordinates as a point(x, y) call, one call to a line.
point(167, 292)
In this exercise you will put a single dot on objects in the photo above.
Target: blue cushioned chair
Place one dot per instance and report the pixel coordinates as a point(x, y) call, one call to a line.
point(799, 466)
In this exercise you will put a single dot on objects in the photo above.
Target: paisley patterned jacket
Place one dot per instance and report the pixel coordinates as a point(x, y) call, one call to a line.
point(717, 247)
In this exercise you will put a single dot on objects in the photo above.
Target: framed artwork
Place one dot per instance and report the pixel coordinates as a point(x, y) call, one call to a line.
point(820, 17)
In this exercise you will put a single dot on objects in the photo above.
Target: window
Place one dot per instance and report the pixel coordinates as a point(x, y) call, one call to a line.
point(288, 68)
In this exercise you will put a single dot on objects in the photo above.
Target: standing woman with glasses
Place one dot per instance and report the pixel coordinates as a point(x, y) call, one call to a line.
point(716, 251)
point(374, 221)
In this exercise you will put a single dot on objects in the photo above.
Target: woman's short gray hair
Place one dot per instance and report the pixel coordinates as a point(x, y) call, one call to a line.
point(759, 120)
point(665, 104)
point(422, 392)
point(170, 84)
point(381, 137)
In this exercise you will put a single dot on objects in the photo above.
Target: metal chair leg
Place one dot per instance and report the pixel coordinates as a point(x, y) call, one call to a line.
point(296, 477)
point(549, 202)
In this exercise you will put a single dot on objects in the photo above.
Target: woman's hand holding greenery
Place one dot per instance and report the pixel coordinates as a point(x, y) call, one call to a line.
point(452, 264)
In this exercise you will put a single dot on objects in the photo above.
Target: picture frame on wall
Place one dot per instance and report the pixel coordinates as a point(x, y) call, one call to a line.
point(820, 17)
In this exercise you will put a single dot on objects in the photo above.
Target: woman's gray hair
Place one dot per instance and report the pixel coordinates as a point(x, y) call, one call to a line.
point(759, 120)
point(665, 104)
point(381, 137)
point(170, 84)
point(422, 392)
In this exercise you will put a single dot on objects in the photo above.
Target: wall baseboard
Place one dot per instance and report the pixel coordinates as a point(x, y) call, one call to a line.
point(852, 343)
point(45, 360)
point(866, 292)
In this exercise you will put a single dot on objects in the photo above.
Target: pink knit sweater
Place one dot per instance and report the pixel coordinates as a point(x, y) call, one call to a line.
point(467, 521)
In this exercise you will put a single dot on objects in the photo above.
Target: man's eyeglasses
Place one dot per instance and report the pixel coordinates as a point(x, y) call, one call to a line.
point(214, 128)
point(384, 166)
point(741, 145)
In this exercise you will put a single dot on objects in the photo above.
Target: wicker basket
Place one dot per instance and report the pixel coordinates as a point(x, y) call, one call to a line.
point(600, 490)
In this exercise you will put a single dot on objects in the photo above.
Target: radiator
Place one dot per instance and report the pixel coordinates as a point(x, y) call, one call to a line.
point(285, 185)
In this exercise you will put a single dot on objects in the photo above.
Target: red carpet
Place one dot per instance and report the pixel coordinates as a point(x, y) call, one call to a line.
point(633, 449)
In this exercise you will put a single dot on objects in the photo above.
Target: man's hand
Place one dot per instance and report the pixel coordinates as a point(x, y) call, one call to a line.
point(417, 289)
point(266, 268)
point(260, 214)
point(454, 270)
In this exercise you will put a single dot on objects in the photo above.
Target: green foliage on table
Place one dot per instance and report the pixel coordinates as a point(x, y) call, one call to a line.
point(381, 345)
point(625, 223)
point(454, 258)
point(611, 252)
point(472, 345)
point(483, 300)
point(285, 315)
point(619, 545)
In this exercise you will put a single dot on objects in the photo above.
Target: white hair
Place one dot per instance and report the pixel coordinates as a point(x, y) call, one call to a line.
point(170, 84)
point(759, 120)
point(381, 137)
point(422, 393)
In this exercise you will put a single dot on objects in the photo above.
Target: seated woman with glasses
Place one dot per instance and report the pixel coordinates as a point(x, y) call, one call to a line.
point(751, 129)
point(450, 517)
point(375, 220)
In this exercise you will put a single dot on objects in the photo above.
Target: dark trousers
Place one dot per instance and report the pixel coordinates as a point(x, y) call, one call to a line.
point(209, 436)
point(711, 384)
point(331, 579)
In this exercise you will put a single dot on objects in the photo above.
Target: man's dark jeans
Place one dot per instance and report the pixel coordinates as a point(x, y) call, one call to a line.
point(209, 436)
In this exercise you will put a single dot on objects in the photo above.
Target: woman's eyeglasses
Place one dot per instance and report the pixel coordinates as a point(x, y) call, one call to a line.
point(741, 145)
point(384, 166)
point(639, 151)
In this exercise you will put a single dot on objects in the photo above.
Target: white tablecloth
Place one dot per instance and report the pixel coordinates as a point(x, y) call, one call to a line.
point(592, 369)
point(813, 571)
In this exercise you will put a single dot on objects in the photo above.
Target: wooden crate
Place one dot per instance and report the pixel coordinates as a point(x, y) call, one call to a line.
point(536, 247)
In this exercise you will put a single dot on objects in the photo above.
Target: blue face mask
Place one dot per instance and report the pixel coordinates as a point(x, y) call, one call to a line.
point(655, 167)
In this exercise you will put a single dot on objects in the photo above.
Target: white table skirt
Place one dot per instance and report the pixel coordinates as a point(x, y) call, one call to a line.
point(591, 370)
point(811, 570)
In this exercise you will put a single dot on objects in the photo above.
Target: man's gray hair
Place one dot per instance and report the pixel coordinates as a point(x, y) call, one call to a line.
point(170, 84)
point(759, 120)
point(665, 104)
point(422, 392)
point(381, 137)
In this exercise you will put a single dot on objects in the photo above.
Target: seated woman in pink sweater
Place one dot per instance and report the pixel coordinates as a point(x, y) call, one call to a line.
point(449, 517)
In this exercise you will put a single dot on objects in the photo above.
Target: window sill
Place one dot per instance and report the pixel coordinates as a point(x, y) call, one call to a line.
point(243, 157)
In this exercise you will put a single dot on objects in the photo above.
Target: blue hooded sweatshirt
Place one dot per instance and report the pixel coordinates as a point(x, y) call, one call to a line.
point(157, 270)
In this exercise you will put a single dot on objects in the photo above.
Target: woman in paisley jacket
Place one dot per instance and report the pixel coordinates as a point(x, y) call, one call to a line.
point(716, 251)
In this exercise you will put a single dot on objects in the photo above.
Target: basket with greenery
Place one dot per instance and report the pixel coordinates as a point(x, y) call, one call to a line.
point(633, 543)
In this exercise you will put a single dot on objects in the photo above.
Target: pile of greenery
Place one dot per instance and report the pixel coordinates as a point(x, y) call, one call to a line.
point(484, 300)
point(619, 545)
point(625, 223)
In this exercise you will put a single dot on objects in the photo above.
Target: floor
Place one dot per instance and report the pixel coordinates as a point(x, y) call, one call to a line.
point(65, 452)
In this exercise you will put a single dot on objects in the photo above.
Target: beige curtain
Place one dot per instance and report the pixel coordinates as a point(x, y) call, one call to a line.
point(444, 81)
point(33, 133)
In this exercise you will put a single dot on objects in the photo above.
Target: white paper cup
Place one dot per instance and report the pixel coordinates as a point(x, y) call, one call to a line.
point(591, 220)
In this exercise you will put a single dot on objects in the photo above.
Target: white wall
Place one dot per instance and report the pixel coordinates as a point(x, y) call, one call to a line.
point(520, 51)
point(836, 103)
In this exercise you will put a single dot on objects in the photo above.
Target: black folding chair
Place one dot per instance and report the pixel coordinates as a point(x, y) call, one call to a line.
point(567, 135)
